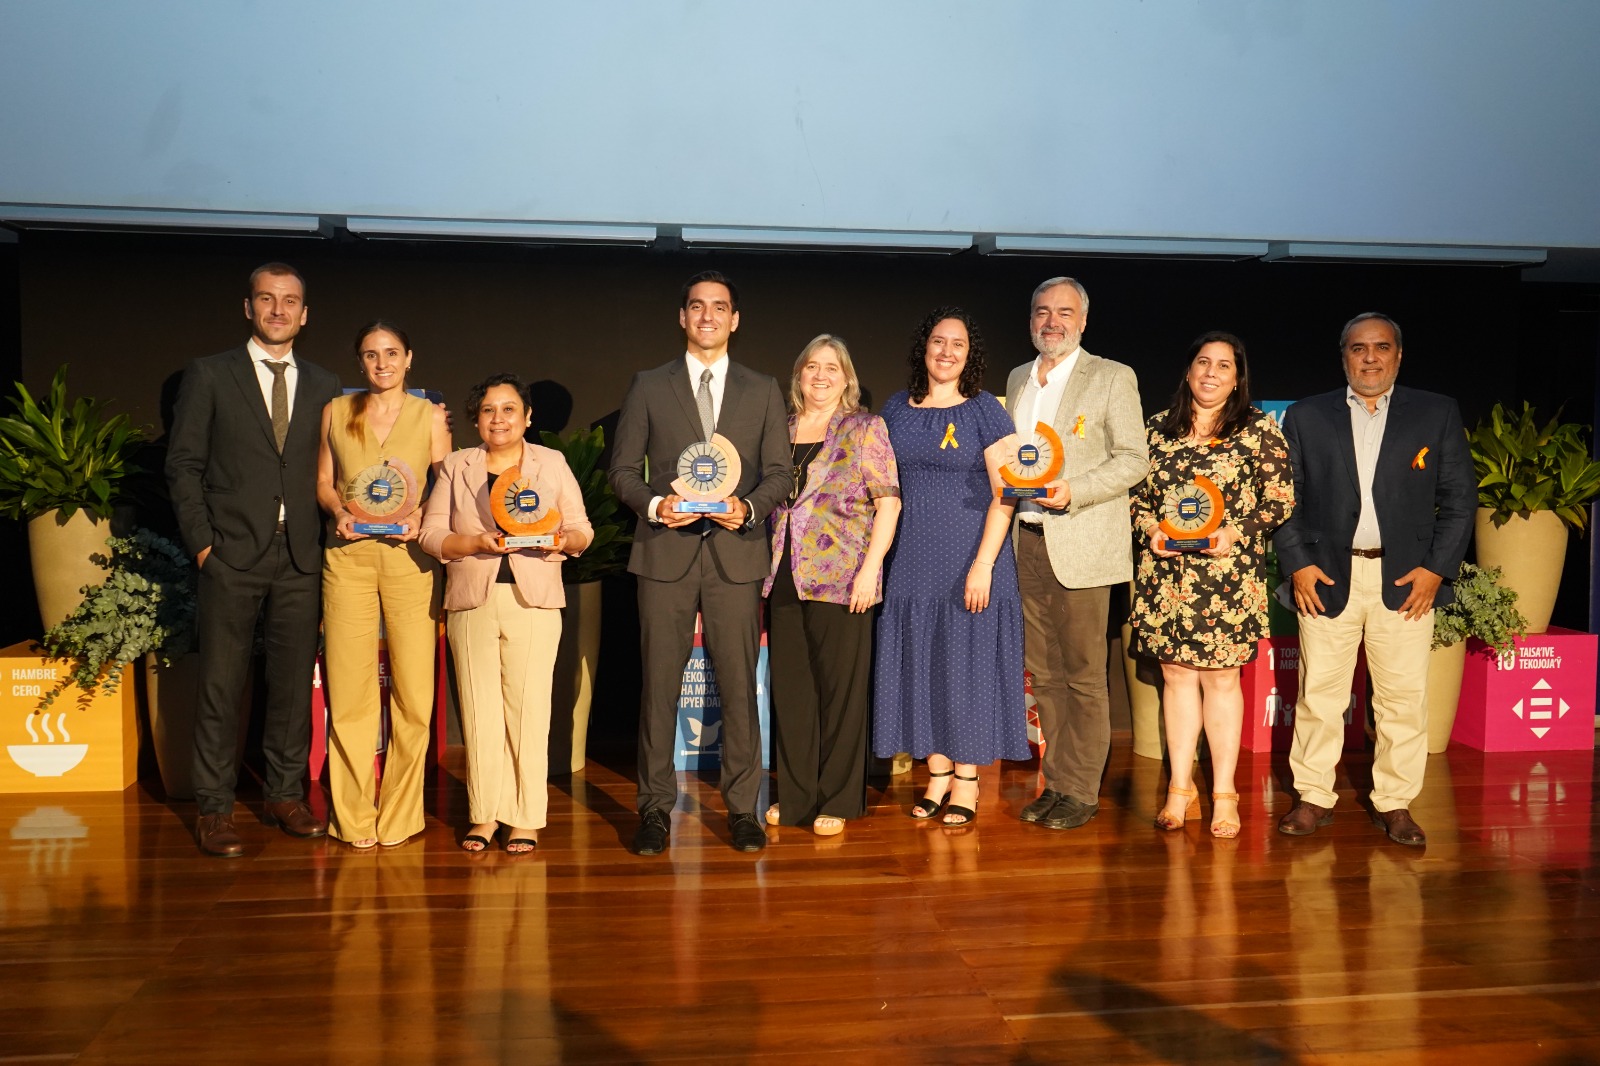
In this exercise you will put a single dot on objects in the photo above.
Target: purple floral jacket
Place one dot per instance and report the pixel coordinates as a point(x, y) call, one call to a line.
point(831, 522)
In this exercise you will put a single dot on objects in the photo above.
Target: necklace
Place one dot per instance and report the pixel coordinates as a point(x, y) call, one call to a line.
point(801, 460)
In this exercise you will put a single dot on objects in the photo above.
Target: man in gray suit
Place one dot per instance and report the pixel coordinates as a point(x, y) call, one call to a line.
point(242, 470)
point(687, 563)
point(1075, 544)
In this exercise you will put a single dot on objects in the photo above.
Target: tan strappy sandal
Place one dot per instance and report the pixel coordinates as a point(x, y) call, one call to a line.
point(1166, 821)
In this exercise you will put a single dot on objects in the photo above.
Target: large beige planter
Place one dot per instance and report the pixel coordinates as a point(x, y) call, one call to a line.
point(1445, 666)
point(171, 692)
point(1530, 553)
point(1144, 702)
point(59, 550)
point(572, 693)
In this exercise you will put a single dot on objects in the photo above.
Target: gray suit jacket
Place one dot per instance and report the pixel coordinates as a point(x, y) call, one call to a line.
point(659, 419)
point(1091, 542)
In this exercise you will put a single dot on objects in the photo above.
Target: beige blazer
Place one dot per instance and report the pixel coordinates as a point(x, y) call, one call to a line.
point(1106, 454)
point(459, 503)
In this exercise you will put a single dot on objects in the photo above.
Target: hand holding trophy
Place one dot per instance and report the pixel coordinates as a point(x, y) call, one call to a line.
point(1191, 514)
point(525, 517)
point(1038, 462)
point(380, 497)
point(708, 472)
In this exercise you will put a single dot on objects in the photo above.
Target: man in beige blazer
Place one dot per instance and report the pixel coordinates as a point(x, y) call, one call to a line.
point(1074, 545)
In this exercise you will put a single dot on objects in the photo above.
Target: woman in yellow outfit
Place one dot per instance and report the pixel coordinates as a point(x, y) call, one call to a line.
point(365, 578)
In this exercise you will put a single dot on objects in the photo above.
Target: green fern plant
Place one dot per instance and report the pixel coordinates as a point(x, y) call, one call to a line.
point(1523, 466)
point(145, 604)
point(55, 455)
point(606, 555)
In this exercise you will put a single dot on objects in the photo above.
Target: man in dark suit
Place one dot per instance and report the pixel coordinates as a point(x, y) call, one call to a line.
point(685, 562)
point(242, 470)
point(1385, 494)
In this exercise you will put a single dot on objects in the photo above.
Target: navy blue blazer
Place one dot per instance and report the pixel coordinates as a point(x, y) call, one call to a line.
point(1425, 501)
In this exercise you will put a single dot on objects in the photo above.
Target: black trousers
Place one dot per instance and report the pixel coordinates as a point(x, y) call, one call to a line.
point(731, 614)
point(229, 602)
point(821, 686)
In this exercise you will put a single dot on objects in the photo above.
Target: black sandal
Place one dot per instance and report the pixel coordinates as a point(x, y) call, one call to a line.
point(968, 815)
point(928, 807)
point(484, 843)
point(532, 845)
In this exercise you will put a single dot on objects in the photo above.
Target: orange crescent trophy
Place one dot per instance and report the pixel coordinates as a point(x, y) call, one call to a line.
point(1037, 463)
point(708, 472)
point(527, 518)
point(380, 496)
point(1191, 512)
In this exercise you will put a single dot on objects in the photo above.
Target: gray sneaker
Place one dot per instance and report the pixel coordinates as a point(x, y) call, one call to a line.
point(1069, 814)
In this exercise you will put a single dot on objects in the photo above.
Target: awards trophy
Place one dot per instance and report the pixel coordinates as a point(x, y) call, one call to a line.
point(1191, 511)
point(708, 470)
point(526, 519)
point(1037, 463)
point(380, 496)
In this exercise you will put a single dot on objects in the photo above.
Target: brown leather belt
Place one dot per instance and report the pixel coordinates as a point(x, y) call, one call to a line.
point(1367, 553)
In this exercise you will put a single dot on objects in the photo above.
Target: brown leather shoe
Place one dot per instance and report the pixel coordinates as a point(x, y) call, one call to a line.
point(216, 836)
point(294, 818)
point(1304, 819)
point(1400, 827)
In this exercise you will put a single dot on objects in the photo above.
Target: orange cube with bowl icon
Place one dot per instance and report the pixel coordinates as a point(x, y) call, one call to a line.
point(78, 744)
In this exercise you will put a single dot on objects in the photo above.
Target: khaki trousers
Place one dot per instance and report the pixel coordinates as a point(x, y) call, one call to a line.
point(1397, 658)
point(361, 582)
point(505, 653)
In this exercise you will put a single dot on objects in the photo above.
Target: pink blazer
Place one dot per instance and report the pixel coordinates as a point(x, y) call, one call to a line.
point(459, 503)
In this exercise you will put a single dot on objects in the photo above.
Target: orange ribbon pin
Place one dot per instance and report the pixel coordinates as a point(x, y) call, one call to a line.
point(1420, 462)
point(949, 438)
point(1077, 428)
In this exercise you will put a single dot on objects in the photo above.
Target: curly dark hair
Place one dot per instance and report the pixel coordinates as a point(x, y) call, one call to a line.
point(971, 382)
point(476, 394)
point(1235, 410)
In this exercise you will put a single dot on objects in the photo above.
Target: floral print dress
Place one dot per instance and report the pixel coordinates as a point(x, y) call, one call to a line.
point(1195, 609)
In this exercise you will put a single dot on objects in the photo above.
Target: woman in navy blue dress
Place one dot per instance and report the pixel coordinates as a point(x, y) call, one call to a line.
point(949, 641)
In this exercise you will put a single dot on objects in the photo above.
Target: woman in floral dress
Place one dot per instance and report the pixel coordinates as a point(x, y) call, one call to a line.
point(1200, 613)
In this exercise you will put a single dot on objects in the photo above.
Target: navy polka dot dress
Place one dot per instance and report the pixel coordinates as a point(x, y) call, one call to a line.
point(947, 681)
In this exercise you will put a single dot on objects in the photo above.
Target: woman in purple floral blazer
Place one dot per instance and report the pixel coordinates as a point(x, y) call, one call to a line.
point(828, 543)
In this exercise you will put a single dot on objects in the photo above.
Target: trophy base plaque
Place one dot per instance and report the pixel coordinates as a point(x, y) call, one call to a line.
point(1191, 544)
point(1024, 492)
point(380, 529)
point(537, 540)
point(702, 507)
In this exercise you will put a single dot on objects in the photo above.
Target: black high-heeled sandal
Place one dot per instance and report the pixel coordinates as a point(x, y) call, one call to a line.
point(968, 815)
point(928, 807)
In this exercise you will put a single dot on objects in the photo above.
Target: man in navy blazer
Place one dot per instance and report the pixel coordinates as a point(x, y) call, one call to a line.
point(1386, 493)
point(685, 562)
point(242, 471)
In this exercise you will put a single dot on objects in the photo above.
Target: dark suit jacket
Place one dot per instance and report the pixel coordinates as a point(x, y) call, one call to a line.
point(1425, 507)
point(223, 467)
point(659, 419)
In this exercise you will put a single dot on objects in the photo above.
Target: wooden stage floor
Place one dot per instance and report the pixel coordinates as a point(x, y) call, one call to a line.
point(897, 942)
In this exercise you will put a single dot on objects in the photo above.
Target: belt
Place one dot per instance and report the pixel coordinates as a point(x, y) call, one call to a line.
point(1036, 528)
point(1367, 553)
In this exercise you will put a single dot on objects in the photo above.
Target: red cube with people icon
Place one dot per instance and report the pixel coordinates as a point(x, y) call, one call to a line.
point(1271, 684)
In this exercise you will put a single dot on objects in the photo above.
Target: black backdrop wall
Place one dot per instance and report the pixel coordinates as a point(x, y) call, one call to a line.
point(128, 311)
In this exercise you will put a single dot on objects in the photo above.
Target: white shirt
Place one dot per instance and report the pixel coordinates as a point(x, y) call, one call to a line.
point(719, 384)
point(1037, 403)
point(264, 376)
point(1367, 428)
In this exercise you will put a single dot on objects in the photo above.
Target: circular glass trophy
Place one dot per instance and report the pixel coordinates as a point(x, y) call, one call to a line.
point(380, 497)
point(527, 518)
point(708, 472)
point(1038, 462)
point(1191, 512)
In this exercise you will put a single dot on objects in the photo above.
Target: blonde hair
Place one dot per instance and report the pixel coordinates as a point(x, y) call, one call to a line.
point(851, 399)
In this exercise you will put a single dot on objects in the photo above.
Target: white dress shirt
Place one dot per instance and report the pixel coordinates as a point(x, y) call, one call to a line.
point(1039, 403)
point(1367, 429)
point(719, 385)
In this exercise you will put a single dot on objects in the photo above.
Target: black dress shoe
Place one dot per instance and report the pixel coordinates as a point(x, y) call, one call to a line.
point(654, 828)
point(1069, 813)
point(747, 832)
point(1041, 806)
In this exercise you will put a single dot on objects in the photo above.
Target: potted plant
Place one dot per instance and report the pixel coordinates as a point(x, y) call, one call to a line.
point(1533, 480)
point(144, 609)
point(1483, 608)
point(61, 468)
point(606, 555)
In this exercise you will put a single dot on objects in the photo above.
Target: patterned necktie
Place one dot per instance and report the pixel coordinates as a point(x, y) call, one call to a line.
point(280, 401)
point(708, 420)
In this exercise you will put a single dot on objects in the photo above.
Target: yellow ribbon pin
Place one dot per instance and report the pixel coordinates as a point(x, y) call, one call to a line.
point(1420, 463)
point(949, 438)
point(1077, 428)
